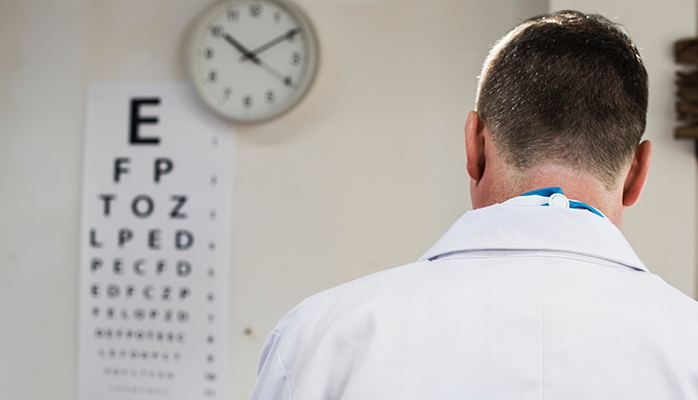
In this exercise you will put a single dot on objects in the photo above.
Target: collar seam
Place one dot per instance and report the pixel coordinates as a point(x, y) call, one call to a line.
point(519, 252)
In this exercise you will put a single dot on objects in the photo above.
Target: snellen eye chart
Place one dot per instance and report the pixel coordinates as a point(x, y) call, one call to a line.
point(155, 238)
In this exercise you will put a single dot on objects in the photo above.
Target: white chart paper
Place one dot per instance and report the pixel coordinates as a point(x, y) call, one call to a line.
point(155, 237)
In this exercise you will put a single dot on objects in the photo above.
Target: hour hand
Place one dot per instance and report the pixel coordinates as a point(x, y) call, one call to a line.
point(245, 53)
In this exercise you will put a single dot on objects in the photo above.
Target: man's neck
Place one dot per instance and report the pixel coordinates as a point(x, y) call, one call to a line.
point(577, 185)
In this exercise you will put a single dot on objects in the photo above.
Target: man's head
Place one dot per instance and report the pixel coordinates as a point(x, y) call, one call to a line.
point(564, 91)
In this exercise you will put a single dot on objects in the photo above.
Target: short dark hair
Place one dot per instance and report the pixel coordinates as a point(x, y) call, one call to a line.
point(565, 88)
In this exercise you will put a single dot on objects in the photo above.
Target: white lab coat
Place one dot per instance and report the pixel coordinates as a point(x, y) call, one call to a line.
point(511, 303)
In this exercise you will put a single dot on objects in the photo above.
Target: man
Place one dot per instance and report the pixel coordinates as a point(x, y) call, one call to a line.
point(535, 294)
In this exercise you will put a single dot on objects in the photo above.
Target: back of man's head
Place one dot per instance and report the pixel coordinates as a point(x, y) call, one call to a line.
point(565, 89)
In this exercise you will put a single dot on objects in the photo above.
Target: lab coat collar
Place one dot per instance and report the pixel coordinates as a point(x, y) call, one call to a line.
point(516, 227)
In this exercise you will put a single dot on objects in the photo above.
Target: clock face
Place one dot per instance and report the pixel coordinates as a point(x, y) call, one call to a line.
point(252, 60)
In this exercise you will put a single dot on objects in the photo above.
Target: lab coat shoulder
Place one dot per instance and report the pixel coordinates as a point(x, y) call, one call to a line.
point(668, 304)
point(336, 314)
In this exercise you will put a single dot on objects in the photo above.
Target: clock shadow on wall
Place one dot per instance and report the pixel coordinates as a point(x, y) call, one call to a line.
point(251, 61)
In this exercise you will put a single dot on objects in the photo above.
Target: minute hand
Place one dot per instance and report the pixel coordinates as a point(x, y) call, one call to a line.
point(286, 36)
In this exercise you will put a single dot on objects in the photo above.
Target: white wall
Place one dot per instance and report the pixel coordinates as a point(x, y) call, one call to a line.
point(661, 227)
point(365, 174)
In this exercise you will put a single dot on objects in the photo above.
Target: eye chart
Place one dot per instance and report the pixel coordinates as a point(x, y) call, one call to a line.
point(155, 235)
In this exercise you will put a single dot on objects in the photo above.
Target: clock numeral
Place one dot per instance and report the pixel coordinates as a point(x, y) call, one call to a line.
point(182, 316)
point(247, 101)
point(233, 15)
point(295, 58)
point(209, 53)
point(255, 10)
point(212, 76)
point(277, 17)
point(270, 97)
point(217, 31)
point(288, 81)
point(227, 91)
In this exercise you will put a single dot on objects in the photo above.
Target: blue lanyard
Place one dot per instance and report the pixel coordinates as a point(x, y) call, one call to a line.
point(550, 191)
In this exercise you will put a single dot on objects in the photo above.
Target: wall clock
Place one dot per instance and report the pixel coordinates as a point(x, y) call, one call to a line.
point(252, 60)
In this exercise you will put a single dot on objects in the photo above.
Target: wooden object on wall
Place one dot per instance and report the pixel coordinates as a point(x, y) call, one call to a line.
point(686, 52)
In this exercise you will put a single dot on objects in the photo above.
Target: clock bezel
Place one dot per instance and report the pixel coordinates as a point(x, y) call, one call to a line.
point(199, 27)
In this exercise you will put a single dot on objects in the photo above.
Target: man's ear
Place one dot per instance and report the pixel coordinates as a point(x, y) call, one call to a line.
point(637, 175)
point(475, 146)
